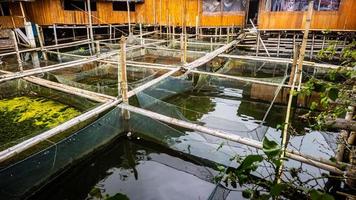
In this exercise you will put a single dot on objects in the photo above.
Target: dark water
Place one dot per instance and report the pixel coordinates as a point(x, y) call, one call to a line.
point(134, 169)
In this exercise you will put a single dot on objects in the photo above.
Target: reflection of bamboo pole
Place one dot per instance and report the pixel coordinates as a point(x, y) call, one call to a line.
point(123, 77)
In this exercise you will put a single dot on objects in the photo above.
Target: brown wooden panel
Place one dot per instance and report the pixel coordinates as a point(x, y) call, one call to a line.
point(343, 19)
point(16, 19)
point(48, 12)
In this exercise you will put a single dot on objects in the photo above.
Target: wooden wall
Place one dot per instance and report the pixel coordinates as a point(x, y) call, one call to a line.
point(343, 19)
point(164, 12)
point(6, 21)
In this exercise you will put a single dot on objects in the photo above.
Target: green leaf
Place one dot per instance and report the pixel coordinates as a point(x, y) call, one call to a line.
point(277, 189)
point(271, 148)
point(118, 196)
point(221, 168)
point(318, 195)
point(314, 105)
point(333, 93)
point(247, 193)
point(249, 162)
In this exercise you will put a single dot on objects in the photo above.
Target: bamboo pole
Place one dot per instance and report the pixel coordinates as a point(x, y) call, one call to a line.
point(129, 16)
point(285, 134)
point(305, 40)
point(231, 137)
point(90, 24)
point(122, 74)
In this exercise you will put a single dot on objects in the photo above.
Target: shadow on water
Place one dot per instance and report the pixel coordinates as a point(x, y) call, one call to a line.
point(134, 169)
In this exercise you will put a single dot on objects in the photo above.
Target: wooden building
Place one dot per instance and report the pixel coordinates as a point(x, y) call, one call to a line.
point(334, 15)
point(272, 15)
point(12, 13)
point(154, 12)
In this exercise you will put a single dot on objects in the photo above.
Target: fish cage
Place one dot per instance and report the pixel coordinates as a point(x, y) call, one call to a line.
point(153, 117)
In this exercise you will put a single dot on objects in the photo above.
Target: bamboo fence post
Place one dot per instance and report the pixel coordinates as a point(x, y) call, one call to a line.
point(123, 77)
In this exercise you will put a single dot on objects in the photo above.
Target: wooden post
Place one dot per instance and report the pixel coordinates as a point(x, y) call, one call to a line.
point(257, 43)
point(182, 47)
point(110, 31)
point(97, 47)
point(312, 46)
point(343, 136)
point(196, 27)
point(305, 40)
point(73, 31)
point(173, 36)
point(128, 16)
point(279, 43)
point(41, 40)
point(211, 44)
point(90, 23)
point(160, 16)
point(141, 41)
point(19, 61)
point(216, 34)
point(123, 77)
point(56, 41)
point(294, 65)
point(185, 45)
point(228, 35)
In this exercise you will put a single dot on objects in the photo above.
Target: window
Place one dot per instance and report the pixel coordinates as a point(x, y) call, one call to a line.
point(78, 5)
point(326, 5)
point(4, 9)
point(215, 6)
point(301, 5)
point(122, 6)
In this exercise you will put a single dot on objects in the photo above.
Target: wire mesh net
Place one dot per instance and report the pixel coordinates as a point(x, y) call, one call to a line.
point(19, 179)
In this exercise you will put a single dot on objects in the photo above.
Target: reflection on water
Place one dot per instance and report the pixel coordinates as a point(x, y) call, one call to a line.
point(133, 170)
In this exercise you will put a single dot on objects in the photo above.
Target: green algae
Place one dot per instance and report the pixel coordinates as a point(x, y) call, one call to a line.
point(25, 116)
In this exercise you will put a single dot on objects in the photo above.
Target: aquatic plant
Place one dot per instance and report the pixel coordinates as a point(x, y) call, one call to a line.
point(24, 116)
